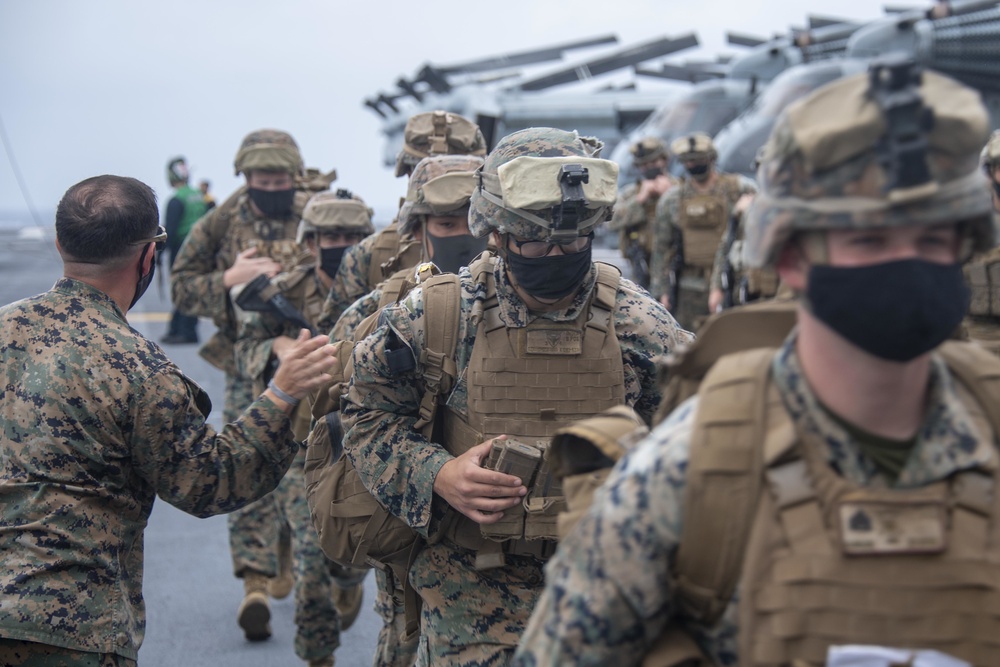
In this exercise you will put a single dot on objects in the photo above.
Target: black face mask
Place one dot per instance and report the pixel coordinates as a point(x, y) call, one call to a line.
point(894, 310)
point(451, 253)
point(273, 203)
point(144, 281)
point(651, 173)
point(698, 171)
point(552, 276)
point(329, 259)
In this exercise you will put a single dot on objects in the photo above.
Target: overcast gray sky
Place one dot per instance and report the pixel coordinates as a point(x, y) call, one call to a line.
point(120, 86)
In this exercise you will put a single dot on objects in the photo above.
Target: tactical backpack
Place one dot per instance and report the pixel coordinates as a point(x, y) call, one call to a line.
point(354, 529)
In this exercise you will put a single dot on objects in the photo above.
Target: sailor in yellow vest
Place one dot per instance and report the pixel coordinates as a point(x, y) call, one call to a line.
point(691, 220)
point(544, 336)
point(392, 249)
point(636, 205)
point(983, 272)
point(840, 490)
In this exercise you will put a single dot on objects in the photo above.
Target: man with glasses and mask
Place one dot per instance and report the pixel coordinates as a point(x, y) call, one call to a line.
point(327, 596)
point(544, 336)
point(691, 220)
point(252, 233)
point(95, 422)
point(832, 500)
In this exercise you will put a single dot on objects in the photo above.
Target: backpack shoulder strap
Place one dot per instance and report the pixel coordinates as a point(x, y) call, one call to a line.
point(441, 296)
point(739, 417)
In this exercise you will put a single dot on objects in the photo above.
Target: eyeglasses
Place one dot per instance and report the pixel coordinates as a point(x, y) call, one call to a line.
point(536, 249)
point(160, 239)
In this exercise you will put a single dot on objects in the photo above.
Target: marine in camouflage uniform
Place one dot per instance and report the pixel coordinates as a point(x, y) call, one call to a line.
point(473, 607)
point(435, 213)
point(983, 272)
point(636, 205)
point(392, 249)
point(97, 426)
point(862, 405)
point(331, 222)
point(252, 233)
point(691, 221)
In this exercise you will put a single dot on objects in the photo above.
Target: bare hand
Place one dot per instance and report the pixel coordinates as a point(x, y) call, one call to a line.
point(247, 267)
point(665, 300)
point(742, 204)
point(308, 365)
point(280, 346)
point(653, 188)
point(715, 300)
point(479, 494)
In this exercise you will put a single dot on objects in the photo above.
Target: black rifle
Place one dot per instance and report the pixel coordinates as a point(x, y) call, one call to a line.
point(728, 273)
point(636, 256)
point(261, 296)
point(675, 271)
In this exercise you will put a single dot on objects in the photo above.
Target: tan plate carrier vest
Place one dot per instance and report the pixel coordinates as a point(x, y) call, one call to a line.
point(703, 218)
point(803, 586)
point(391, 253)
point(527, 382)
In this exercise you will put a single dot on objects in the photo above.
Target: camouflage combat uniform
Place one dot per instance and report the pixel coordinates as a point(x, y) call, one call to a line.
point(983, 272)
point(697, 277)
point(837, 545)
point(469, 615)
point(97, 419)
point(197, 286)
point(316, 617)
point(610, 584)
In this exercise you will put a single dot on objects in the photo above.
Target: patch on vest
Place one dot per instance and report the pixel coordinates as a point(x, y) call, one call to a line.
point(874, 528)
point(552, 341)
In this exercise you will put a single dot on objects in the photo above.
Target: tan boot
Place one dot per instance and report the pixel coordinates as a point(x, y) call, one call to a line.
point(254, 614)
point(281, 586)
point(321, 662)
point(348, 603)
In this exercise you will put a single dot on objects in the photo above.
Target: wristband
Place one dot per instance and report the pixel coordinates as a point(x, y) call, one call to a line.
point(287, 398)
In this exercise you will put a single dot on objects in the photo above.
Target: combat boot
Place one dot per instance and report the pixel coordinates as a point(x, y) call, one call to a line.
point(348, 603)
point(322, 662)
point(254, 614)
point(281, 586)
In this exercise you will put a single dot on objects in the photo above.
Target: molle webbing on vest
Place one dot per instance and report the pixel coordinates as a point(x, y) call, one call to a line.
point(517, 388)
point(982, 274)
point(723, 479)
point(800, 594)
point(703, 218)
point(391, 253)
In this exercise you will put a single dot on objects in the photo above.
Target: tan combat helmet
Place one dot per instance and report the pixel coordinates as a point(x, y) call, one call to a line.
point(439, 185)
point(523, 185)
point(271, 150)
point(438, 133)
point(647, 150)
point(833, 161)
point(338, 211)
point(697, 146)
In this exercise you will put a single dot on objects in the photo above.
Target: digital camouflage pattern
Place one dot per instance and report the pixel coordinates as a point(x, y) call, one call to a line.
point(820, 168)
point(15, 653)
point(399, 465)
point(611, 589)
point(990, 156)
point(485, 216)
point(102, 423)
point(197, 289)
point(317, 620)
point(272, 150)
point(438, 133)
